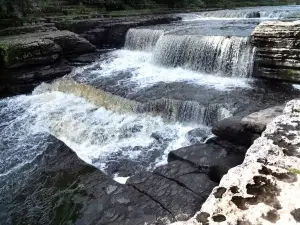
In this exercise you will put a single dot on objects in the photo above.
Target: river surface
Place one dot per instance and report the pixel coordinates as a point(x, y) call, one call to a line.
point(128, 110)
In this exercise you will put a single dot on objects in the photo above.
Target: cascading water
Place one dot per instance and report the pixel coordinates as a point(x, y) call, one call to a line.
point(169, 109)
point(244, 13)
point(99, 136)
point(142, 39)
point(218, 55)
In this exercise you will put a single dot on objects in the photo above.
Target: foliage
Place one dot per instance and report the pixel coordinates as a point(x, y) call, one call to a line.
point(18, 8)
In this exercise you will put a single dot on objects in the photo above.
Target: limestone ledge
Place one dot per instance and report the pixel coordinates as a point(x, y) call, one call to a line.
point(264, 189)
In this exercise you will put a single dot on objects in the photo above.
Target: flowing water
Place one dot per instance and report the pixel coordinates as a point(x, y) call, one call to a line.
point(127, 111)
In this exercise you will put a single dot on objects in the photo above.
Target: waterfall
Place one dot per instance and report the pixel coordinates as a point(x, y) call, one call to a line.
point(142, 39)
point(264, 12)
point(169, 109)
point(186, 111)
point(230, 14)
point(218, 55)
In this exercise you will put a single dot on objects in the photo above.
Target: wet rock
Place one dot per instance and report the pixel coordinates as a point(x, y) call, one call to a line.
point(176, 199)
point(277, 54)
point(197, 136)
point(231, 129)
point(188, 176)
point(258, 121)
point(24, 80)
point(263, 189)
point(213, 159)
point(61, 187)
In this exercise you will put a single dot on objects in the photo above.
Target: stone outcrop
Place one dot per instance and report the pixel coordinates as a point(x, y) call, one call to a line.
point(277, 50)
point(244, 130)
point(27, 60)
point(264, 189)
point(41, 48)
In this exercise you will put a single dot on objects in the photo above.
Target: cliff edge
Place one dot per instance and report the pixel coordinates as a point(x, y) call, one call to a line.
point(264, 189)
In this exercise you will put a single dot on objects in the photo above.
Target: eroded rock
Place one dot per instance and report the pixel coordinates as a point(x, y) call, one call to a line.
point(277, 50)
point(264, 189)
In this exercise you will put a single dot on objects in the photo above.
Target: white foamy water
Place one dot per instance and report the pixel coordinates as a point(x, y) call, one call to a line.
point(145, 74)
point(97, 135)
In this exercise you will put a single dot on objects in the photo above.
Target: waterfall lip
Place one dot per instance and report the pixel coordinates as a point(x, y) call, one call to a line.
point(144, 74)
point(259, 13)
point(229, 56)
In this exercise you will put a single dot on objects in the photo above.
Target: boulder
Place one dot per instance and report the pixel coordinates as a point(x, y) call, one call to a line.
point(62, 189)
point(198, 135)
point(277, 50)
point(212, 159)
point(231, 129)
point(264, 189)
point(257, 122)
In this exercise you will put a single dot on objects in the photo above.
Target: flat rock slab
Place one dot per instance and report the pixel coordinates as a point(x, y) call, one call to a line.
point(187, 176)
point(258, 121)
point(213, 159)
point(61, 188)
point(176, 199)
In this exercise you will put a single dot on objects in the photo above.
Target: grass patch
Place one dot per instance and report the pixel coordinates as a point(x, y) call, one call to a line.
point(295, 171)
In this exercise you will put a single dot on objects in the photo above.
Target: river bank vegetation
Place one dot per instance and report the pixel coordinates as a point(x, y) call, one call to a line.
point(21, 8)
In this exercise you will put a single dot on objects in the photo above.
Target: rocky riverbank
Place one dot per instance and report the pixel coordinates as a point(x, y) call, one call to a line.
point(264, 189)
point(35, 53)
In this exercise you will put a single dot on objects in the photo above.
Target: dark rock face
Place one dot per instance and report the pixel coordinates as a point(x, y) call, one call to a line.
point(277, 56)
point(62, 189)
point(213, 159)
point(110, 33)
point(24, 80)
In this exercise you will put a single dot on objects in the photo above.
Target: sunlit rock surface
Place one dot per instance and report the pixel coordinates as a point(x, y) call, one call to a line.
point(277, 54)
point(265, 188)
